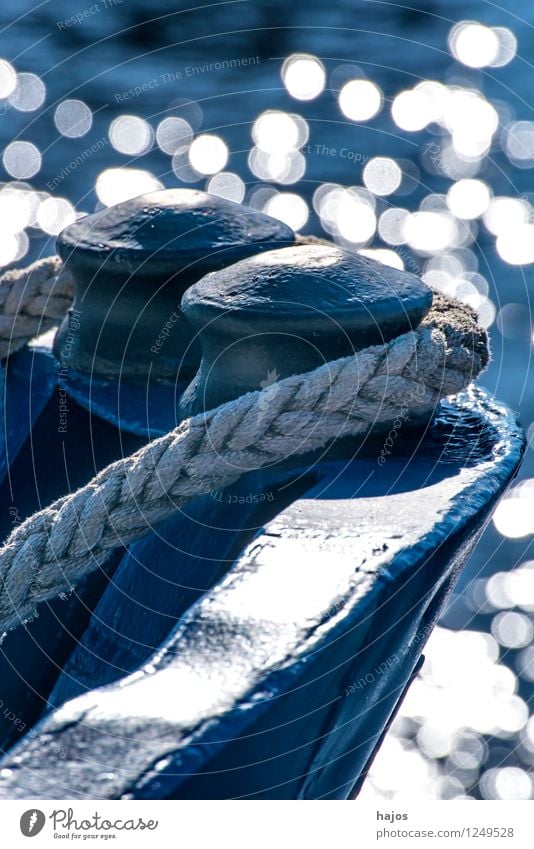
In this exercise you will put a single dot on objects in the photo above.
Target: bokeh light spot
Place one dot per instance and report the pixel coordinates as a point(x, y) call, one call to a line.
point(227, 185)
point(304, 76)
point(115, 185)
point(382, 175)
point(279, 132)
point(22, 159)
point(208, 154)
point(288, 207)
point(468, 198)
point(131, 135)
point(360, 100)
point(173, 134)
point(474, 44)
point(29, 93)
point(73, 118)
point(54, 214)
point(8, 78)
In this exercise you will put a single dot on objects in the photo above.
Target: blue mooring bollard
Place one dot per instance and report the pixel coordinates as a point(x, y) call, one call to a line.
point(273, 626)
point(120, 361)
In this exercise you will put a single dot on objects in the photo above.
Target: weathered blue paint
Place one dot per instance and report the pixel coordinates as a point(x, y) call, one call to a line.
point(66, 418)
point(146, 409)
point(52, 445)
point(131, 264)
point(277, 681)
point(289, 311)
point(163, 574)
point(28, 381)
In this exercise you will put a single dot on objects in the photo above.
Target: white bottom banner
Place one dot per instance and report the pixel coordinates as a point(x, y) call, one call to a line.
point(262, 825)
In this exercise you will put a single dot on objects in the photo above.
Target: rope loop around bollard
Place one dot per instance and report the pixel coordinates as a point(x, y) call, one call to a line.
point(53, 550)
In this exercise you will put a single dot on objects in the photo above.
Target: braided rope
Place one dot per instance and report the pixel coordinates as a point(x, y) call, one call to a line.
point(55, 548)
point(32, 300)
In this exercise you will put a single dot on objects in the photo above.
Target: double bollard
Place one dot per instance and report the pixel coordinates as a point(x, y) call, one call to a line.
point(269, 600)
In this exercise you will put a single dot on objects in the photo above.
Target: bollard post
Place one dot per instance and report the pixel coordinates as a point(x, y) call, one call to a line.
point(121, 358)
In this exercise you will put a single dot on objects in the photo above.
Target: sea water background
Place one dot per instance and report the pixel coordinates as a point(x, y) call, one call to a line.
point(390, 127)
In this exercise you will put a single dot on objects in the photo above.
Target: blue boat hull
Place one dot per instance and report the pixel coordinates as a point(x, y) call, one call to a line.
point(279, 680)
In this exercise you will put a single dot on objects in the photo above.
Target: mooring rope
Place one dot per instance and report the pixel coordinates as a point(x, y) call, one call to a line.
point(50, 552)
point(32, 300)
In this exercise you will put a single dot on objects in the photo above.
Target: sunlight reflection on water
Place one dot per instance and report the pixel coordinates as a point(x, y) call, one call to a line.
point(465, 715)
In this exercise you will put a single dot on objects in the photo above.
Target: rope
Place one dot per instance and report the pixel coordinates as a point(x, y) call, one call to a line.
point(57, 547)
point(32, 300)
